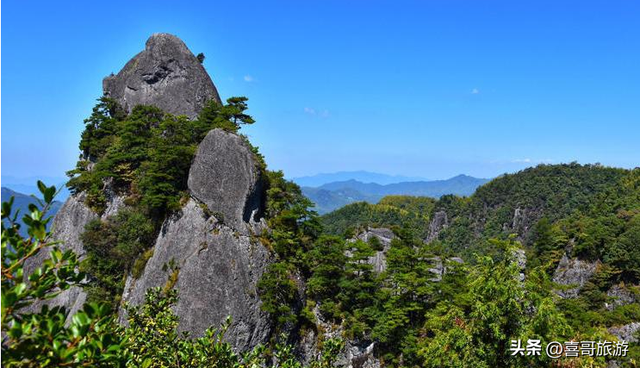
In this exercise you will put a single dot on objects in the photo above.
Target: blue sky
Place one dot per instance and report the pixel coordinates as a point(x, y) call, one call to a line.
point(418, 88)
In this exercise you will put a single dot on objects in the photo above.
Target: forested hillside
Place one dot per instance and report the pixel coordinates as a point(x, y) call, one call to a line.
point(334, 195)
point(578, 225)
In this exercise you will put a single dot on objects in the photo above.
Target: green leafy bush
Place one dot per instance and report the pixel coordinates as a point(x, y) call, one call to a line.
point(38, 335)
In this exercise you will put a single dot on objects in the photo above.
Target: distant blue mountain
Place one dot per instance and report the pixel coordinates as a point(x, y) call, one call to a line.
point(329, 200)
point(361, 176)
point(331, 196)
point(28, 185)
point(21, 202)
point(460, 185)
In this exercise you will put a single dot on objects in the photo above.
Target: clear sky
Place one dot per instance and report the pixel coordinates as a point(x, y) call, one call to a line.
point(429, 88)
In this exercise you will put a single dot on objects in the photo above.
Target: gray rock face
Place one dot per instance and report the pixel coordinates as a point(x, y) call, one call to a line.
point(225, 176)
point(520, 218)
point(627, 332)
point(115, 201)
point(356, 354)
point(167, 75)
point(68, 225)
point(70, 221)
point(573, 272)
point(439, 222)
point(440, 268)
point(209, 248)
point(378, 260)
point(218, 270)
point(620, 295)
point(521, 258)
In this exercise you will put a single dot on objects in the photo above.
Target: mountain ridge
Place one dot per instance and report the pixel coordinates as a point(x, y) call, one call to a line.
point(331, 196)
point(360, 175)
point(22, 202)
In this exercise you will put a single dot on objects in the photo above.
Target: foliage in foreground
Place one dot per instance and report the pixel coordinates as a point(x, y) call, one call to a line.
point(41, 336)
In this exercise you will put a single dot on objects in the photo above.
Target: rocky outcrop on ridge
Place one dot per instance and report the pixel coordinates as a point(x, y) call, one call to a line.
point(166, 75)
point(574, 273)
point(225, 176)
point(439, 222)
point(217, 270)
point(208, 250)
point(385, 236)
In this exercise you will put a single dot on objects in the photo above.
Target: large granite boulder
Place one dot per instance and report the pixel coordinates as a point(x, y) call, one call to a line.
point(208, 250)
point(217, 272)
point(167, 75)
point(225, 176)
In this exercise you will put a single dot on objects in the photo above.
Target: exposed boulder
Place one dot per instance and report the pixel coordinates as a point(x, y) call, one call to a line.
point(627, 332)
point(573, 272)
point(440, 268)
point(217, 272)
point(621, 295)
point(385, 236)
point(225, 175)
point(439, 222)
point(167, 75)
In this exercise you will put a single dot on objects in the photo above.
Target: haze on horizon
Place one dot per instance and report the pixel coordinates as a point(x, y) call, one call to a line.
point(419, 89)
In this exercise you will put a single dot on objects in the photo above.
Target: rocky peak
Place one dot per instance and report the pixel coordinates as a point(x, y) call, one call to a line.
point(167, 75)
